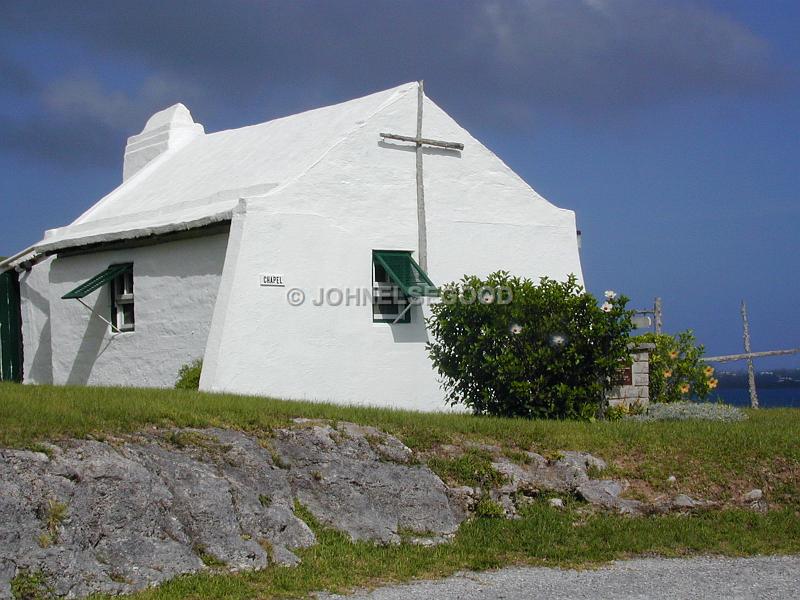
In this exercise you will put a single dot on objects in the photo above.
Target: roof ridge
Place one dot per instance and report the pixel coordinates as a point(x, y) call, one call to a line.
point(393, 90)
point(153, 189)
point(396, 97)
point(143, 174)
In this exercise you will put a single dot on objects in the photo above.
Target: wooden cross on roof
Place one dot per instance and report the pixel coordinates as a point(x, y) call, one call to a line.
point(420, 141)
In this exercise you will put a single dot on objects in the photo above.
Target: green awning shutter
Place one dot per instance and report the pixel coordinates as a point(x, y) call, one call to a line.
point(98, 281)
point(406, 273)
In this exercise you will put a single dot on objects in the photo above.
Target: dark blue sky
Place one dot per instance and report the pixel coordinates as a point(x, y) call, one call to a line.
point(671, 128)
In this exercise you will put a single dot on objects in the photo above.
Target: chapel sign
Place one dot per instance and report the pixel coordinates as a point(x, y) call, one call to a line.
point(271, 280)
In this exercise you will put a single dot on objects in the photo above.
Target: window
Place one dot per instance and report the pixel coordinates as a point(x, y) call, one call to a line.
point(388, 300)
point(398, 282)
point(122, 313)
point(120, 280)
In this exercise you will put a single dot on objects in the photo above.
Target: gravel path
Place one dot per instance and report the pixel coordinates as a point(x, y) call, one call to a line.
point(702, 578)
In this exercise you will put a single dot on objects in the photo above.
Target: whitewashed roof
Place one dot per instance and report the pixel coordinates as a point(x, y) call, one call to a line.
point(200, 179)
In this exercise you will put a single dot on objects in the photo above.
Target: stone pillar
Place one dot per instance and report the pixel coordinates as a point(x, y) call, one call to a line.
point(633, 384)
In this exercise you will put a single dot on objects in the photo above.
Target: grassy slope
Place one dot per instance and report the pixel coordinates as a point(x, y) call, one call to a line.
point(711, 460)
point(543, 537)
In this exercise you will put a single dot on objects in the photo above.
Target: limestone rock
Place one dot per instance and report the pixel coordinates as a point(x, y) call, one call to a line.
point(119, 516)
point(755, 498)
point(603, 492)
point(606, 493)
point(569, 473)
point(753, 495)
point(582, 460)
point(682, 501)
point(465, 497)
point(342, 476)
point(538, 474)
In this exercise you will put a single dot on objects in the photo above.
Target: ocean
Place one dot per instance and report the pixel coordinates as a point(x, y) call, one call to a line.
point(775, 397)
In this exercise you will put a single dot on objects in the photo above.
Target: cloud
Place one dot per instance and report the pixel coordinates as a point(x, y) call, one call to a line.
point(82, 97)
point(607, 55)
point(497, 63)
point(80, 122)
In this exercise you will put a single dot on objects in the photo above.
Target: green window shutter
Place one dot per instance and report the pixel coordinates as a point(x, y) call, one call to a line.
point(10, 328)
point(96, 282)
point(404, 271)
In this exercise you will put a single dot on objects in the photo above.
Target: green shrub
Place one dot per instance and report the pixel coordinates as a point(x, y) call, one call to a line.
point(189, 375)
point(676, 371)
point(549, 352)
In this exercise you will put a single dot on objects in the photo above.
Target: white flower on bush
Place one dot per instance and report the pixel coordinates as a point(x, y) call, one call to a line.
point(610, 294)
point(607, 307)
point(515, 328)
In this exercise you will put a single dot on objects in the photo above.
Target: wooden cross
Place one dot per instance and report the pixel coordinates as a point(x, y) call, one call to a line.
point(420, 141)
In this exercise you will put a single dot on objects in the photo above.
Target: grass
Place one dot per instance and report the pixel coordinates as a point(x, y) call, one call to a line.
point(52, 515)
point(713, 460)
point(207, 558)
point(473, 468)
point(544, 536)
point(489, 509)
point(55, 514)
point(30, 585)
point(709, 459)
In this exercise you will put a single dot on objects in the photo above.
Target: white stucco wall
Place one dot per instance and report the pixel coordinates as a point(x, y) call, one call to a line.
point(34, 291)
point(320, 232)
point(175, 288)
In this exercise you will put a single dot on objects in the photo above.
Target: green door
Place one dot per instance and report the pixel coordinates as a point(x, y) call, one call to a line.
point(10, 328)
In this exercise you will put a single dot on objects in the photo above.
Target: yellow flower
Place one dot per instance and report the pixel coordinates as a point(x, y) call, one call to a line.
point(685, 388)
point(709, 371)
point(673, 354)
point(712, 383)
point(667, 373)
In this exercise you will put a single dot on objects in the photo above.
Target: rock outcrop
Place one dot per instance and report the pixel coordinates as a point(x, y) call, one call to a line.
point(119, 515)
point(568, 474)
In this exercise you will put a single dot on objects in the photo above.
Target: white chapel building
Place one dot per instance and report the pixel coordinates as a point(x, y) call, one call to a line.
point(220, 245)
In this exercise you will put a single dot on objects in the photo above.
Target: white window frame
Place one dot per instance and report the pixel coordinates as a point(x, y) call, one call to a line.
point(387, 291)
point(122, 295)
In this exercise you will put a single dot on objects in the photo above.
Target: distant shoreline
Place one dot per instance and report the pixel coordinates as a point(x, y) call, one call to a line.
point(773, 379)
point(768, 397)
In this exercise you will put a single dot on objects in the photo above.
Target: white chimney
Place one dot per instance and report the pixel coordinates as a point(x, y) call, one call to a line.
point(169, 129)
